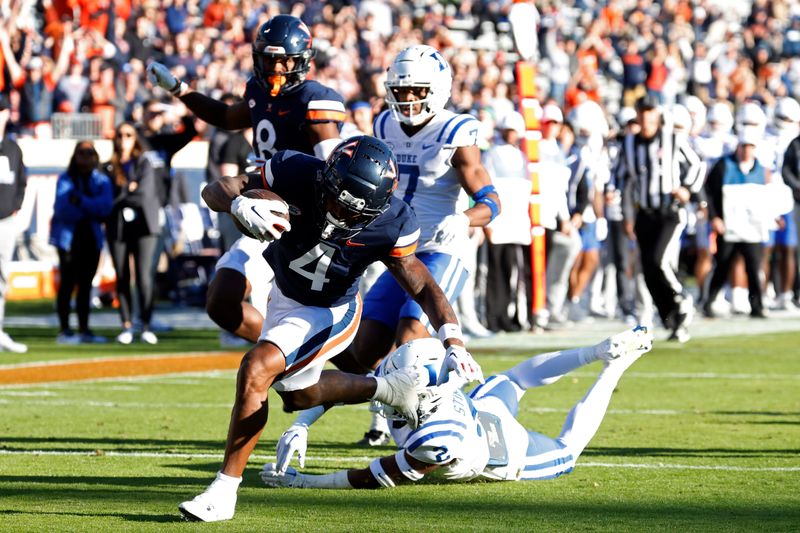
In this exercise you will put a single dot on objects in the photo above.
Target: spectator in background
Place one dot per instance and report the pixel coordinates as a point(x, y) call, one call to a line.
point(562, 241)
point(106, 95)
point(133, 228)
point(359, 119)
point(36, 83)
point(13, 179)
point(83, 201)
point(72, 89)
point(633, 74)
point(790, 171)
point(618, 244)
point(509, 270)
point(737, 210)
point(590, 127)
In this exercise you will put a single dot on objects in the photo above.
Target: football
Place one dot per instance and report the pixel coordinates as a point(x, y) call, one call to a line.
point(259, 194)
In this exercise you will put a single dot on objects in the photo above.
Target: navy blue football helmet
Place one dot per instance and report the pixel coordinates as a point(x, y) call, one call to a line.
point(355, 186)
point(279, 38)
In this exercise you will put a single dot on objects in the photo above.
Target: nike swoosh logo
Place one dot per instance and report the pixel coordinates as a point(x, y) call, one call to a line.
point(426, 146)
point(348, 242)
point(253, 209)
point(283, 112)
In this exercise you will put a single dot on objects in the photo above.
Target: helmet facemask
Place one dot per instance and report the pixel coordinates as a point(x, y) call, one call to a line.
point(277, 82)
point(403, 111)
point(418, 67)
point(341, 215)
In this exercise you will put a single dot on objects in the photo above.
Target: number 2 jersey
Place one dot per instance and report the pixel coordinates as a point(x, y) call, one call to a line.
point(280, 122)
point(427, 181)
point(326, 273)
point(468, 438)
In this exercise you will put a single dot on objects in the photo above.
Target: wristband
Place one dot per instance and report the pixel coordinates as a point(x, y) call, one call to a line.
point(380, 475)
point(450, 331)
point(492, 206)
point(180, 86)
point(406, 469)
point(336, 480)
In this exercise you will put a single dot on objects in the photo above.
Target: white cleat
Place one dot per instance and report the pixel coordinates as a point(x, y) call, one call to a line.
point(402, 393)
point(10, 345)
point(633, 342)
point(210, 506)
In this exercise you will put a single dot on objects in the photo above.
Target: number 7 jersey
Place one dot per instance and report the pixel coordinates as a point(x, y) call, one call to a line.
point(428, 183)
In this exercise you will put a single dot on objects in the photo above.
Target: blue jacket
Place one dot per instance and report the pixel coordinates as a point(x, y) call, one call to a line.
point(94, 204)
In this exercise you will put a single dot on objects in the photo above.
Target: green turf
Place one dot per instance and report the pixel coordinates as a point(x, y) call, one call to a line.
point(694, 415)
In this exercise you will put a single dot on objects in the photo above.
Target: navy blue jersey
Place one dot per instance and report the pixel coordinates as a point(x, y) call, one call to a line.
point(326, 273)
point(280, 122)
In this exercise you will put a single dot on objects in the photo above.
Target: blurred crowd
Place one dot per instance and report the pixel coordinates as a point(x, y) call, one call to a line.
point(701, 61)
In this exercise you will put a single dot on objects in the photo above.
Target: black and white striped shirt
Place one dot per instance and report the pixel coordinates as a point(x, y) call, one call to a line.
point(649, 170)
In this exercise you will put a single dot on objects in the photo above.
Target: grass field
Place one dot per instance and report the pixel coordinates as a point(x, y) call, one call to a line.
point(698, 438)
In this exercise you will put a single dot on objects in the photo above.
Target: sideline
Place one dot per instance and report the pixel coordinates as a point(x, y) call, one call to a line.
point(117, 367)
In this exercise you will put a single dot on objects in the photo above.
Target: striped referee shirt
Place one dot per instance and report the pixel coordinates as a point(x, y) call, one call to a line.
point(649, 170)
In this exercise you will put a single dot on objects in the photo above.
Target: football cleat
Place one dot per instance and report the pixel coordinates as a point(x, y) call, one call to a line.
point(403, 388)
point(375, 437)
point(679, 335)
point(9, 344)
point(213, 505)
point(638, 339)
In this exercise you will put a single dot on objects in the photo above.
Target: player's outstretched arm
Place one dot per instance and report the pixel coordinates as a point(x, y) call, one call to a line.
point(383, 472)
point(417, 281)
point(216, 113)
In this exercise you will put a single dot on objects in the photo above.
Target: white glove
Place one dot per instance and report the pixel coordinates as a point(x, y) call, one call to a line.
point(160, 75)
point(272, 478)
point(294, 439)
point(258, 216)
point(451, 228)
point(461, 362)
point(601, 229)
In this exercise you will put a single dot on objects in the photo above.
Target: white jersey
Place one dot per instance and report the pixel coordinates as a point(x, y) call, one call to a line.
point(428, 183)
point(468, 438)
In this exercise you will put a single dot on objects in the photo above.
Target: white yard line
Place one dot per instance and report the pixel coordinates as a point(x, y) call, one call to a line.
point(336, 460)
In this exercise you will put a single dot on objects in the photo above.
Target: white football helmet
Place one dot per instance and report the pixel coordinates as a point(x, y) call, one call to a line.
point(750, 114)
point(697, 110)
point(588, 119)
point(428, 357)
point(719, 118)
point(681, 119)
point(787, 112)
point(419, 66)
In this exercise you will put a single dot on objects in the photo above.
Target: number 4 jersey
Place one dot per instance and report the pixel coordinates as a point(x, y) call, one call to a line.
point(280, 122)
point(325, 273)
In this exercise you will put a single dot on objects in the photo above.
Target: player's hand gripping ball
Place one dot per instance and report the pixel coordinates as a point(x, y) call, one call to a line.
point(261, 214)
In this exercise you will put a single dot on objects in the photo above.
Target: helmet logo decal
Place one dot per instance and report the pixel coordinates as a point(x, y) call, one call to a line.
point(391, 171)
point(348, 148)
point(439, 59)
